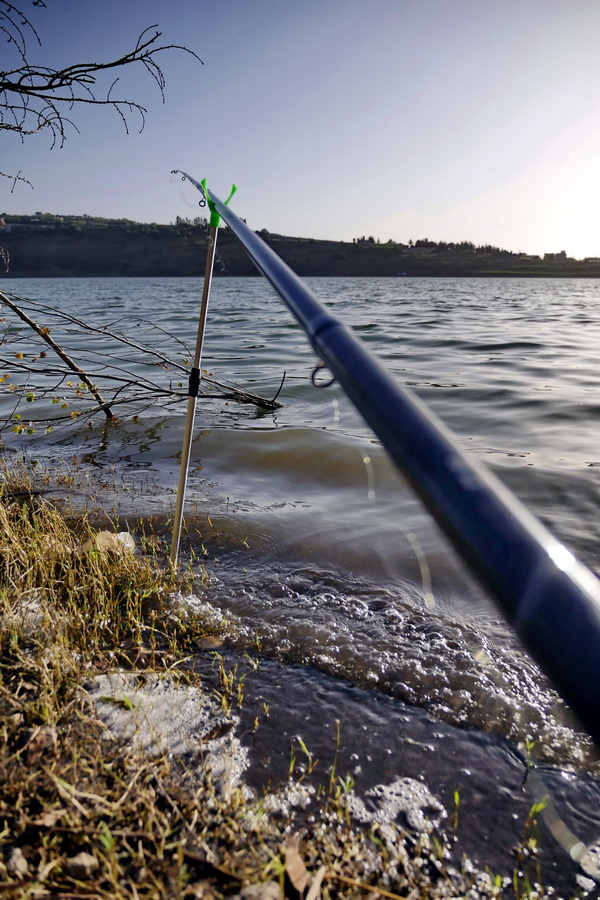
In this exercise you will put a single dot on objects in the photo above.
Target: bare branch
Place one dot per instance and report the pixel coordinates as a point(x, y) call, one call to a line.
point(14, 179)
point(44, 333)
point(14, 24)
point(32, 98)
point(135, 376)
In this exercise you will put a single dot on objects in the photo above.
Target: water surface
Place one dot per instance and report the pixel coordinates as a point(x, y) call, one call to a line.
point(314, 546)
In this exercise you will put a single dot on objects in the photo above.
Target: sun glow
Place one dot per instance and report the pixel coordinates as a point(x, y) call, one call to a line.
point(580, 225)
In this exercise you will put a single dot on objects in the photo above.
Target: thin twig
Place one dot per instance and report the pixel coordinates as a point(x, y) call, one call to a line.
point(44, 334)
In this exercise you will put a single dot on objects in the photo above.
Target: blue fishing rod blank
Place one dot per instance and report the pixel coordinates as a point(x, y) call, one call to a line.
point(551, 599)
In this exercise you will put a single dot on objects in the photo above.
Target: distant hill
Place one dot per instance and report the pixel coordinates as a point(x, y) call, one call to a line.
point(64, 246)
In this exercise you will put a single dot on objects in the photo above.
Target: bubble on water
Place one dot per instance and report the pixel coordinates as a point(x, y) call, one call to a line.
point(336, 411)
point(294, 795)
point(451, 664)
point(405, 799)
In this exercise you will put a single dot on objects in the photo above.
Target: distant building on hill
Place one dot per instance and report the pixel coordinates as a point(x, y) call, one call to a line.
point(419, 251)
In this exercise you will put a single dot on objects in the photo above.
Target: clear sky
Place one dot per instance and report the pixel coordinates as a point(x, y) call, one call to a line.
point(446, 119)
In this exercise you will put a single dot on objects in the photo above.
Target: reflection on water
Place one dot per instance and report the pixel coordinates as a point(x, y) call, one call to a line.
point(314, 544)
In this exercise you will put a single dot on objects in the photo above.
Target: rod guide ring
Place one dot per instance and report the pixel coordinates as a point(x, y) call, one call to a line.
point(314, 375)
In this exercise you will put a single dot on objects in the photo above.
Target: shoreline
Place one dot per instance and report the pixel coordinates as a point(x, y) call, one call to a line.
point(217, 275)
point(132, 250)
point(401, 857)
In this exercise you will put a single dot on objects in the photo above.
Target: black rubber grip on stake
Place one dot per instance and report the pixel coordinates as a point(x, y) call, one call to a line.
point(194, 388)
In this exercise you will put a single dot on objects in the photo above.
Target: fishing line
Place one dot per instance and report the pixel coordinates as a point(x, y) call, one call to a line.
point(411, 537)
point(370, 476)
point(421, 556)
point(186, 202)
point(586, 855)
point(204, 226)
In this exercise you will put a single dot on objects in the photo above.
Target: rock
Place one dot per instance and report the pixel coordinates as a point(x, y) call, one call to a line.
point(209, 642)
point(108, 542)
point(40, 739)
point(202, 890)
point(53, 547)
point(82, 866)
point(17, 864)
point(269, 890)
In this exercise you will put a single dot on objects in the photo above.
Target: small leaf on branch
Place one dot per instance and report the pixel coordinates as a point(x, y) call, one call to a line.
point(18, 356)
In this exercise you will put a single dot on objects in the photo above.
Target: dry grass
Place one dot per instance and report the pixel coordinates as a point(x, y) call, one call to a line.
point(80, 817)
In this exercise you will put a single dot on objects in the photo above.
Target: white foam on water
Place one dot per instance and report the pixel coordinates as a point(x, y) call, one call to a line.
point(159, 716)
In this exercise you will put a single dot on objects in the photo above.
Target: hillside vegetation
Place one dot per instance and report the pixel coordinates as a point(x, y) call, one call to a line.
point(63, 246)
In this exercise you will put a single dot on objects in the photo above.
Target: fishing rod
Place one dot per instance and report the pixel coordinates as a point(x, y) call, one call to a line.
point(549, 597)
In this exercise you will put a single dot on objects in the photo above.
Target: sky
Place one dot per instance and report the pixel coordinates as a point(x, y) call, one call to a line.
point(402, 119)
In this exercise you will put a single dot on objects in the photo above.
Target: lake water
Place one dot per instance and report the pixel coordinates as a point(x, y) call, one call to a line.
point(314, 546)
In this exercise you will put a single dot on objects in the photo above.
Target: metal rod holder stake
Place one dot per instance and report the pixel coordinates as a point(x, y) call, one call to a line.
point(194, 386)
